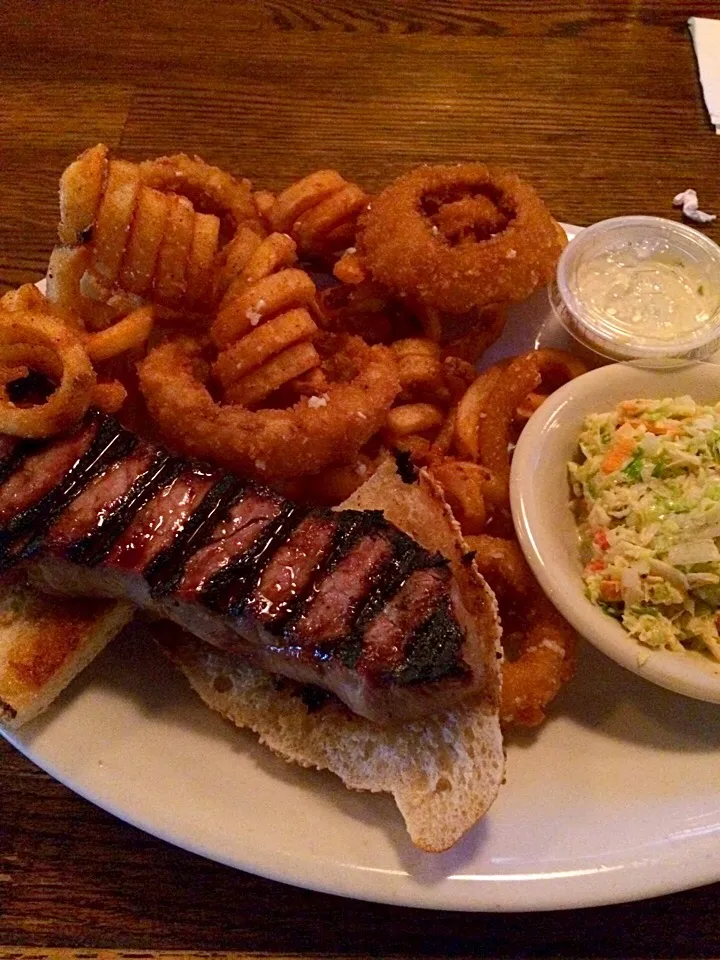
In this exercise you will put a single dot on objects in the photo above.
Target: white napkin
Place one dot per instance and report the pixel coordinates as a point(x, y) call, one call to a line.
point(706, 38)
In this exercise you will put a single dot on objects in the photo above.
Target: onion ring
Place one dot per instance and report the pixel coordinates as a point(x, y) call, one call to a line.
point(268, 443)
point(545, 659)
point(405, 251)
point(471, 218)
point(47, 345)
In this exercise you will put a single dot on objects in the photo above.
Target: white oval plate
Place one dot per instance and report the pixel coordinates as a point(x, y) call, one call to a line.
point(547, 531)
point(615, 799)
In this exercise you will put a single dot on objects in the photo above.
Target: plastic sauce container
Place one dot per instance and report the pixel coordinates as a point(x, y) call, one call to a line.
point(641, 288)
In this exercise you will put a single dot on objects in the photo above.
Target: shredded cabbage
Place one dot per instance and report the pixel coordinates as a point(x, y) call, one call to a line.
point(646, 493)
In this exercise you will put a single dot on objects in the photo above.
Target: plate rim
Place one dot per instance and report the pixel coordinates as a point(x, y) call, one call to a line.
point(696, 863)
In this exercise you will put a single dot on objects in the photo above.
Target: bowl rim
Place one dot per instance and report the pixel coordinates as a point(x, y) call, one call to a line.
point(543, 440)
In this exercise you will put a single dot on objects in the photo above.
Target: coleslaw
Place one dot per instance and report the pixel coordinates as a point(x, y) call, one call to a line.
point(646, 495)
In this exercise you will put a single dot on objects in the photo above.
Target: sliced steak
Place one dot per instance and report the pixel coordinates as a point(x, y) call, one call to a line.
point(330, 610)
point(231, 538)
point(92, 509)
point(342, 600)
point(40, 472)
point(155, 526)
point(289, 572)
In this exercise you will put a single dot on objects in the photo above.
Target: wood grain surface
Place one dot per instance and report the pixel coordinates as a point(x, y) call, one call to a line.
point(598, 103)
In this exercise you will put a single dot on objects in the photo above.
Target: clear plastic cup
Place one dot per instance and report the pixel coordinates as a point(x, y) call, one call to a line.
point(598, 329)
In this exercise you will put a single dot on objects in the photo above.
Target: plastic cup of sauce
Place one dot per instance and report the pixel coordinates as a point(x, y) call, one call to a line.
point(641, 288)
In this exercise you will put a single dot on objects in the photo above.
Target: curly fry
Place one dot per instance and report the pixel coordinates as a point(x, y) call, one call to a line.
point(44, 344)
point(108, 397)
point(319, 212)
point(273, 294)
point(462, 484)
point(497, 415)
point(545, 659)
point(469, 410)
point(349, 268)
point(128, 334)
point(556, 368)
point(413, 418)
point(81, 189)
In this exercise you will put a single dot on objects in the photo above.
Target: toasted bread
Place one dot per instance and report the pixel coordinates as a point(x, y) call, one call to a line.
point(45, 642)
point(443, 771)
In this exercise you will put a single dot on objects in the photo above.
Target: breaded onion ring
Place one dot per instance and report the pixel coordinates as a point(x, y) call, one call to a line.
point(209, 189)
point(409, 253)
point(544, 661)
point(43, 344)
point(268, 443)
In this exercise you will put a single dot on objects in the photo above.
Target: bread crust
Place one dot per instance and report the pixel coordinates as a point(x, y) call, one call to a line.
point(45, 642)
point(443, 771)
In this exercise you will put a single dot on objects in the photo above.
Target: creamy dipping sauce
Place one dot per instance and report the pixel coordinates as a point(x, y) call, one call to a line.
point(645, 293)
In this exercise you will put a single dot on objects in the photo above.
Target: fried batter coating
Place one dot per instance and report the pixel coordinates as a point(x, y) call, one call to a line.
point(268, 443)
point(458, 237)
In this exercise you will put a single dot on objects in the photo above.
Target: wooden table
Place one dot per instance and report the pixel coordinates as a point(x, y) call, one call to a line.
point(598, 103)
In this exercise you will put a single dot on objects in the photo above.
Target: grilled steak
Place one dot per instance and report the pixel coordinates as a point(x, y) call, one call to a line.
point(339, 599)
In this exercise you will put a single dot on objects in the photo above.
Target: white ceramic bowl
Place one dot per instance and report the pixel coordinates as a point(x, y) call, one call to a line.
point(540, 497)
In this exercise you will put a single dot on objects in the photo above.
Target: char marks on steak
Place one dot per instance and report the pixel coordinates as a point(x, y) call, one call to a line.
point(340, 599)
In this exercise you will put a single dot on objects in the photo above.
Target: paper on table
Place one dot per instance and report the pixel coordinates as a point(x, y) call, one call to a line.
point(706, 38)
